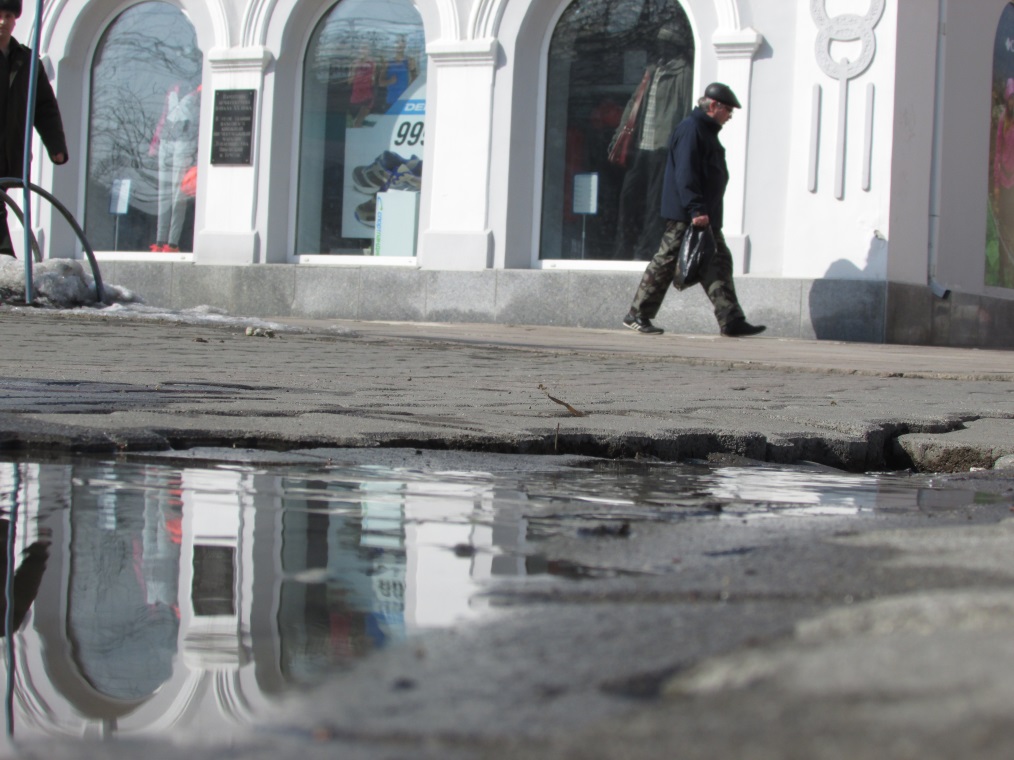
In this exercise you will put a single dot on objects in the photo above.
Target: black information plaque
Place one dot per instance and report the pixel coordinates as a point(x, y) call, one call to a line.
point(232, 128)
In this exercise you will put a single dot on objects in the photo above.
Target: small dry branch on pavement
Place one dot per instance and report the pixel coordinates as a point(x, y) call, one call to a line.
point(572, 410)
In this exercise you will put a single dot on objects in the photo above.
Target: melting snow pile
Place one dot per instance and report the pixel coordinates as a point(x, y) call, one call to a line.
point(57, 283)
point(200, 315)
point(66, 284)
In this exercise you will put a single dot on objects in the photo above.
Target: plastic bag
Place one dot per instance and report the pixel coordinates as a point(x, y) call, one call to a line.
point(698, 244)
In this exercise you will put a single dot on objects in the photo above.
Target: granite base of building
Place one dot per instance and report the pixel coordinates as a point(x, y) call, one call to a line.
point(846, 310)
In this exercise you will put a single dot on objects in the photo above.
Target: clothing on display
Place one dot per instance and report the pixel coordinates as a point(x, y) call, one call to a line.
point(1003, 181)
point(363, 78)
point(399, 78)
point(362, 83)
point(189, 183)
point(626, 135)
point(666, 102)
point(398, 73)
point(175, 144)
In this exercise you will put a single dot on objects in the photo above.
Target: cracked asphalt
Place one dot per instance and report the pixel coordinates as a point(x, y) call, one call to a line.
point(82, 382)
point(827, 636)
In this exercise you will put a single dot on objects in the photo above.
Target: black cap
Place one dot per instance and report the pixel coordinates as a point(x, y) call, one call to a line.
point(723, 94)
point(14, 6)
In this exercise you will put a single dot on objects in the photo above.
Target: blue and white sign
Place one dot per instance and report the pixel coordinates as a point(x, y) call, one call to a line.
point(383, 154)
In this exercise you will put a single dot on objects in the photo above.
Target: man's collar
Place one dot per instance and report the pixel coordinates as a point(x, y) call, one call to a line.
point(12, 46)
point(710, 121)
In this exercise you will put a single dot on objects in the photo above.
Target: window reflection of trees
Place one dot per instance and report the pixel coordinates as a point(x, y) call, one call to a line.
point(145, 51)
point(122, 619)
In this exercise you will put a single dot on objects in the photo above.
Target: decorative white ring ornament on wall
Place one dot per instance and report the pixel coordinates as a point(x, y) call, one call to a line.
point(847, 27)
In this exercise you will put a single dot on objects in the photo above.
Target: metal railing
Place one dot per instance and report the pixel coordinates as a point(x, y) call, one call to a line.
point(33, 244)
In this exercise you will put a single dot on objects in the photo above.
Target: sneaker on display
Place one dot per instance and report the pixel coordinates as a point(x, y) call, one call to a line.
point(404, 179)
point(414, 165)
point(366, 213)
point(370, 178)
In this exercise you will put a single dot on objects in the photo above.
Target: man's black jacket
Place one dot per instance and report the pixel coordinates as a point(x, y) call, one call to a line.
point(695, 171)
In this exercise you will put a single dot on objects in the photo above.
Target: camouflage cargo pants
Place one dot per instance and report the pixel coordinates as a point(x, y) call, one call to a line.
point(716, 277)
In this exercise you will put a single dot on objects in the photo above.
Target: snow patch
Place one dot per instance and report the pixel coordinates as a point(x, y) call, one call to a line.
point(67, 286)
point(57, 283)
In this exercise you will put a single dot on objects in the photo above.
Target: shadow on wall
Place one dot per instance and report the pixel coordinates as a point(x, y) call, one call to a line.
point(849, 303)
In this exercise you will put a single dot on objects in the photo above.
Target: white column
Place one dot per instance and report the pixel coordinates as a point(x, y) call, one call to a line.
point(735, 50)
point(456, 233)
point(227, 232)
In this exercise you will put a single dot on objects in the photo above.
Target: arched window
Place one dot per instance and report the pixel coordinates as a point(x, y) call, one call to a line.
point(1000, 223)
point(123, 584)
point(142, 132)
point(361, 138)
point(612, 64)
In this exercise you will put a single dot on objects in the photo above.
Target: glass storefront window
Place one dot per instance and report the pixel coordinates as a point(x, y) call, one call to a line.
point(1000, 219)
point(362, 121)
point(142, 132)
point(602, 54)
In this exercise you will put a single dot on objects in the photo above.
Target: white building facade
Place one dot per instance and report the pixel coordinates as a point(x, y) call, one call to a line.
point(449, 160)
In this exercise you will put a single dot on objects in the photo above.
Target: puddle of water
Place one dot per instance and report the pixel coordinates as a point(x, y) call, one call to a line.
point(151, 595)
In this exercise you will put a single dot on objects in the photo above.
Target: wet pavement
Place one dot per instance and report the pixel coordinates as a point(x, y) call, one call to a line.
point(717, 632)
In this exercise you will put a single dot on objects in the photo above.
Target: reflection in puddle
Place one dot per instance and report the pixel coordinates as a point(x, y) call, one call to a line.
point(170, 596)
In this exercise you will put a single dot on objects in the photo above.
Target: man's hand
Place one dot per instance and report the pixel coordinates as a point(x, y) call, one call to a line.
point(59, 158)
point(701, 221)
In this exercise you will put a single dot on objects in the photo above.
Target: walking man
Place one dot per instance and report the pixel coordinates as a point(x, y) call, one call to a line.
point(15, 67)
point(695, 179)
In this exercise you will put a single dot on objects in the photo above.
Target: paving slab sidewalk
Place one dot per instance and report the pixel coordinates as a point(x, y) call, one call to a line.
point(88, 382)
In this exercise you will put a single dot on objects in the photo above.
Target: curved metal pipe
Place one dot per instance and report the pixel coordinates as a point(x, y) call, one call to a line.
point(13, 206)
point(6, 182)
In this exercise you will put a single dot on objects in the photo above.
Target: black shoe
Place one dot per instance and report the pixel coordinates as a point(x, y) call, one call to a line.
point(641, 325)
point(739, 328)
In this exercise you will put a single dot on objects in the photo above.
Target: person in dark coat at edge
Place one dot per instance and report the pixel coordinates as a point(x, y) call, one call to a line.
point(692, 193)
point(15, 67)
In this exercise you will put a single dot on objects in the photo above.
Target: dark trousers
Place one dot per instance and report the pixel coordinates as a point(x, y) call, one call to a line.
point(716, 277)
point(6, 244)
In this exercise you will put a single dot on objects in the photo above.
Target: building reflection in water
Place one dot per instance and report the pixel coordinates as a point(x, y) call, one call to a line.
point(195, 597)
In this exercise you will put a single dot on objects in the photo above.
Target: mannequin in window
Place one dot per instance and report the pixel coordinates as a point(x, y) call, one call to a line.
point(362, 77)
point(175, 144)
point(1003, 181)
point(668, 100)
point(398, 73)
